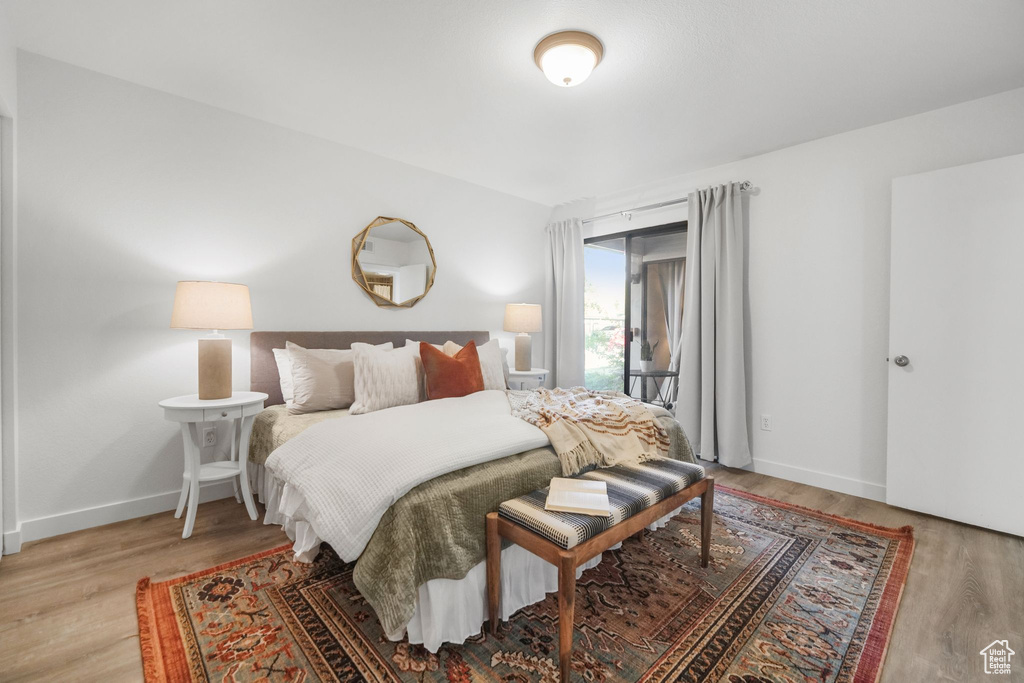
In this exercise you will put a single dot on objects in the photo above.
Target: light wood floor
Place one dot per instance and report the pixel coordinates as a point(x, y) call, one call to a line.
point(67, 604)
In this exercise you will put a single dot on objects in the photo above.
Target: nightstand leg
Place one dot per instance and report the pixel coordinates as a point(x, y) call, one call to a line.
point(243, 459)
point(235, 437)
point(192, 455)
point(183, 498)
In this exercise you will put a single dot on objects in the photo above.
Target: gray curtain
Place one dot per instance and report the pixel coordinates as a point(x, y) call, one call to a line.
point(712, 402)
point(672, 285)
point(563, 303)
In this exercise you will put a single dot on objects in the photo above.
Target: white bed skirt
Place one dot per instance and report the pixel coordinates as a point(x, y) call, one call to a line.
point(447, 610)
point(285, 507)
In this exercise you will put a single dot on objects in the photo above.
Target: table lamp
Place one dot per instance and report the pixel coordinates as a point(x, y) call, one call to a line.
point(523, 318)
point(212, 306)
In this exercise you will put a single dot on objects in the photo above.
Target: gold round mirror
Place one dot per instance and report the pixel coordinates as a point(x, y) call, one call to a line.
point(393, 262)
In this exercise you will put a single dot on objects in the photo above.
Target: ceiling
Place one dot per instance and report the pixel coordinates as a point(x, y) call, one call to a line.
point(450, 85)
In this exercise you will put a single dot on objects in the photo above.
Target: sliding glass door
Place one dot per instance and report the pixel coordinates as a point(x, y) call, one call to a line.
point(634, 302)
point(604, 313)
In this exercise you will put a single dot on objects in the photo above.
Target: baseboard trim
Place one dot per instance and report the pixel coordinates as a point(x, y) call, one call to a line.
point(12, 541)
point(55, 525)
point(65, 523)
point(832, 482)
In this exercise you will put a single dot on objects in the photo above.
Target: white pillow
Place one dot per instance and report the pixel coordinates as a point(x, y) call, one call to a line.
point(421, 374)
point(490, 362)
point(284, 372)
point(410, 342)
point(384, 379)
point(317, 379)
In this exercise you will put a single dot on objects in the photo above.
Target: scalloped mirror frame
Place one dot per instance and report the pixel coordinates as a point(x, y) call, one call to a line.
point(360, 278)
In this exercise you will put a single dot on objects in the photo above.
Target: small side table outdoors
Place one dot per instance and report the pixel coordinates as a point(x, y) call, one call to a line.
point(663, 397)
point(190, 411)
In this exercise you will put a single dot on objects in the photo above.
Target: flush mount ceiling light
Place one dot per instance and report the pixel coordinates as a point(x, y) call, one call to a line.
point(568, 57)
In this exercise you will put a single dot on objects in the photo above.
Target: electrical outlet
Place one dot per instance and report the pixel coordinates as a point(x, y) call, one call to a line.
point(210, 436)
point(766, 423)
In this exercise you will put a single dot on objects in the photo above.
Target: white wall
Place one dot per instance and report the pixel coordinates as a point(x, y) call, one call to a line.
point(125, 190)
point(8, 112)
point(819, 278)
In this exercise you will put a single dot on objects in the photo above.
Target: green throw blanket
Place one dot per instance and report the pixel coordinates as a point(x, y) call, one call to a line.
point(436, 530)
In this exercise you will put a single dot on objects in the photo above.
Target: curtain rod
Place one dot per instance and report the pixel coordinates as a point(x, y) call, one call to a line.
point(745, 186)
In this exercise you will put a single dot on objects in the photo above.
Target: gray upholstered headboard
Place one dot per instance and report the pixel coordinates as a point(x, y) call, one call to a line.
point(263, 369)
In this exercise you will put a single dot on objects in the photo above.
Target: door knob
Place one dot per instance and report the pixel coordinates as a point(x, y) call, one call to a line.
point(901, 361)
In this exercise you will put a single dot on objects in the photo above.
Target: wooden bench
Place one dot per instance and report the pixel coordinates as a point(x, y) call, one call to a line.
point(568, 540)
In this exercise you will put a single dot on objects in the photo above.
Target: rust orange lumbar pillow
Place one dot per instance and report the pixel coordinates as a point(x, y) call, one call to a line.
point(451, 376)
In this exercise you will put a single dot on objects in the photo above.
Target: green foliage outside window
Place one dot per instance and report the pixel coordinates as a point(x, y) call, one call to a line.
point(605, 345)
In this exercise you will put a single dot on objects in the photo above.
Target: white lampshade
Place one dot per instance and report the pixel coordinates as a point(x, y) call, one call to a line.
point(522, 318)
point(211, 306)
point(567, 58)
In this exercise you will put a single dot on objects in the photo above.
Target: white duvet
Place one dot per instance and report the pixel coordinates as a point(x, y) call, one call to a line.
point(348, 472)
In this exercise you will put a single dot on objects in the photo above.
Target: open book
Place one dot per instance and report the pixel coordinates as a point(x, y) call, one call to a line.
point(581, 496)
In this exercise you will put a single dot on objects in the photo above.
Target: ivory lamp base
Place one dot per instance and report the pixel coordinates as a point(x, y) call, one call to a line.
point(214, 369)
point(524, 352)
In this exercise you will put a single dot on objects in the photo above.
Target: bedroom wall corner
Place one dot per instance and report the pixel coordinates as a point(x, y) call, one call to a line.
point(124, 190)
point(8, 66)
point(10, 525)
point(10, 531)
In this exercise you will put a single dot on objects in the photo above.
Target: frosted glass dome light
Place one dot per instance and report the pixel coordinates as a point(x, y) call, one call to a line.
point(567, 58)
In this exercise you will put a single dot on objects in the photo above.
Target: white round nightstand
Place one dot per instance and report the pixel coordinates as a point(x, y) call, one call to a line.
point(241, 408)
point(526, 379)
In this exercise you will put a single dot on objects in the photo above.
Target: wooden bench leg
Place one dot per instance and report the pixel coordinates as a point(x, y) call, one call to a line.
point(707, 515)
point(566, 607)
point(493, 569)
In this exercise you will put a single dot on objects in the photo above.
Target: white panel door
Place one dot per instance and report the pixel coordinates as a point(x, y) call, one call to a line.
point(956, 409)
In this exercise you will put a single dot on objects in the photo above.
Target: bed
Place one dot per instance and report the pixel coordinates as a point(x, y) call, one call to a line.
point(421, 566)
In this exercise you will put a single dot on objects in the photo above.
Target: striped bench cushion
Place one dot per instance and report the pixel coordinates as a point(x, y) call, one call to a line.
point(631, 488)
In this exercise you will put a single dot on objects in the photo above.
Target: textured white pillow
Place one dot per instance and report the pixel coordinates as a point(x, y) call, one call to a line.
point(490, 362)
point(284, 372)
point(421, 374)
point(384, 379)
point(319, 379)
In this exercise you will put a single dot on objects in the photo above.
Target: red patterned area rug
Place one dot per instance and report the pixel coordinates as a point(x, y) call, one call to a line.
point(791, 595)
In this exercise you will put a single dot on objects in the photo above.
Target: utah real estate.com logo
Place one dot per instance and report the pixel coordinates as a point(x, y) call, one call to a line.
point(997, 657)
